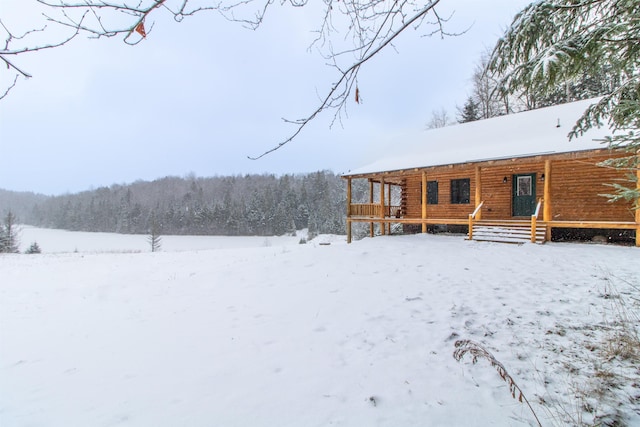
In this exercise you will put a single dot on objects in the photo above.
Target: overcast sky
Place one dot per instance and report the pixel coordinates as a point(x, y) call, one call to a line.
point(202, 95)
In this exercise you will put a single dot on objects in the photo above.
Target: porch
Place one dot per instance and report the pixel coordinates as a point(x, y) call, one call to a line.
point(481, 220)
point(508, 230)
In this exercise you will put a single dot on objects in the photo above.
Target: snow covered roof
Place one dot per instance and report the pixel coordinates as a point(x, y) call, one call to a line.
point(529, 133)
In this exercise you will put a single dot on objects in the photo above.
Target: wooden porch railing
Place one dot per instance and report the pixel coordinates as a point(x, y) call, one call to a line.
point(365, 209)
point(374, 210)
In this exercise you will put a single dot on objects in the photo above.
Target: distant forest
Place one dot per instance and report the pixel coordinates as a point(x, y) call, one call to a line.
point(230, 206)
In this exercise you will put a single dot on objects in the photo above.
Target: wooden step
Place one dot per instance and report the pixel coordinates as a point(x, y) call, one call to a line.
point(503, 232)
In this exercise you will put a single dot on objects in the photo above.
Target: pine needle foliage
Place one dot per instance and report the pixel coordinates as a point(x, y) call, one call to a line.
point(555, 42)
point(469, 112)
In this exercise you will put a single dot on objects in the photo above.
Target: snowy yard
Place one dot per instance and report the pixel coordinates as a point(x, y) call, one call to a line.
point(97, 331)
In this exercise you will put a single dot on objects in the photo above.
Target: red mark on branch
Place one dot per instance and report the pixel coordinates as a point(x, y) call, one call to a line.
point(140, 30)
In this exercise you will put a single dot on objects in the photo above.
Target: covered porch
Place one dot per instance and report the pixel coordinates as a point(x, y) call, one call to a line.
point(518, 173)
point(402, 198)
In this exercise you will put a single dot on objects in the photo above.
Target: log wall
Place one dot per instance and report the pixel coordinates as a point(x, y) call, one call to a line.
point(575, 188)
point(444, 209)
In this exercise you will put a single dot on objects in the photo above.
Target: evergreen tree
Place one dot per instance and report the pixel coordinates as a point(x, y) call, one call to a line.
point(154, 239)
point(587, 85)
point(33, 249)
point(469, 112)
point(554, 42)
point(9, 234)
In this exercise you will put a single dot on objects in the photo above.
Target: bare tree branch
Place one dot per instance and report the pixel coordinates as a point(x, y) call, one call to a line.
point(349, 34)
point(337, 96)
point(11, 86)
point(7, 50)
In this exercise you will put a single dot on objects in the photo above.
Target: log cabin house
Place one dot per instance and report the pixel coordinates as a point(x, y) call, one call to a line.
point(511, 178)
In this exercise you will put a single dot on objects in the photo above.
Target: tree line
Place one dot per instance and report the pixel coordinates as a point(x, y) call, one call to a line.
point(229, 206)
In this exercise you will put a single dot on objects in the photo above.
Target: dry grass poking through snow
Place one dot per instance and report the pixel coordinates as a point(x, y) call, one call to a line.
point(612, 359)
point(615, 379)
point(477, 351)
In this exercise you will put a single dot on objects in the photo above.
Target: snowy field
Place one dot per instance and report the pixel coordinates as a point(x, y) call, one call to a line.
point(98, 331)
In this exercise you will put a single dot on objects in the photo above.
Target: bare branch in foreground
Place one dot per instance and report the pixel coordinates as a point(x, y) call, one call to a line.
point(349, 33)
point(384, 35)
point(11, 86)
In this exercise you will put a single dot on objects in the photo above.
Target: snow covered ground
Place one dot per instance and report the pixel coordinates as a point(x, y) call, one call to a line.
point(98, 331)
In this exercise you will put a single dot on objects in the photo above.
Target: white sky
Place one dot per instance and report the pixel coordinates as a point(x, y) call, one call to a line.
point(201, 95)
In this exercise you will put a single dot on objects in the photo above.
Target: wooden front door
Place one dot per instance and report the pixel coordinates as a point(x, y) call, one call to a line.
point(524, 194)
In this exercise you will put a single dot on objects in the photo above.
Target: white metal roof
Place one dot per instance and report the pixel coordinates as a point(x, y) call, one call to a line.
point(529, 133)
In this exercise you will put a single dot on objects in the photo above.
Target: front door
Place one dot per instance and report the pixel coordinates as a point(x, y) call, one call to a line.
point(524, 194)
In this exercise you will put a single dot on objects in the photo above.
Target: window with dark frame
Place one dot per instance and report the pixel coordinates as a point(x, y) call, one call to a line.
point(460, 191)
point(432, 192)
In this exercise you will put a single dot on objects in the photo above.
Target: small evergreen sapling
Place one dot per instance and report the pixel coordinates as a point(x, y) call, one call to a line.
point(34, 249)
point(154, 239)
point(469, 112)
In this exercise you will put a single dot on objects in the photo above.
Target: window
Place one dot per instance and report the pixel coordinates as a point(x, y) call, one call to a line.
point(524, 186)
point(432, 192)
point(460, 191)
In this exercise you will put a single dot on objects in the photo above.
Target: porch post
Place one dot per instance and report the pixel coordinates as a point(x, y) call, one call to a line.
point(546, 210)
point(382, 227)
point(389, 201)
point(638, 200)
point(424, 201)
point(478, 194)
point(371, 231)
point(348, 210)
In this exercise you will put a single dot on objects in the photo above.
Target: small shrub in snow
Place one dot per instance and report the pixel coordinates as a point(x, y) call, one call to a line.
point(302, 241)
point(33, 249)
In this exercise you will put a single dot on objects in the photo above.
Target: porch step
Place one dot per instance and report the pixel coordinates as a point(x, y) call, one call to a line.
point(506, 232)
